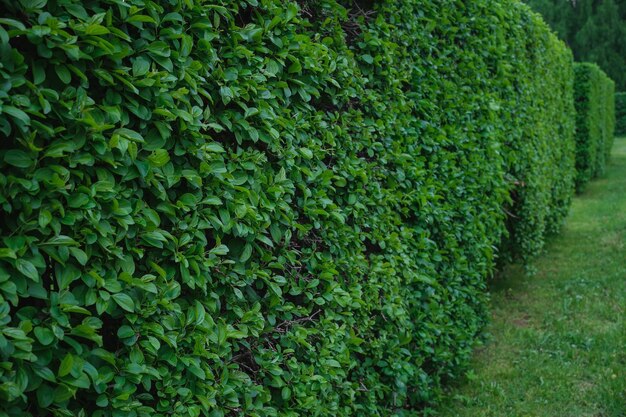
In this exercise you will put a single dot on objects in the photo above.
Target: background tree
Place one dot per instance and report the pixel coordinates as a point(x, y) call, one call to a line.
point(594, 29)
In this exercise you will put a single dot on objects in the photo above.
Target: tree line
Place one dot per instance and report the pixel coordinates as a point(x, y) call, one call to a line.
point(594, 29)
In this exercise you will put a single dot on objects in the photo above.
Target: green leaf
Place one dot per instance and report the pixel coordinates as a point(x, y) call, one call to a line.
point(154, 238)
point(60, 240)
point(7, 253)
point(141, 66)
point(66, 275)
point(45, 395)
point(285, 393)
point(125, 332)
point(39, 73)
point(17, 114)
point(227, 94)
point(80, 255)
point(272, 68)
point(13, 23)
point(77, 200)
point(44, 335)
point(159, 48)
point(159, 158)
point(291, 12)
point(141, 18)
point(306, 152)
point(198, 372)
point(18, 158)
point(46, 374)
point(33, 4)
point(45, 217)
point(62, 393)
point(295, 67)
point(219, 250)
point(95, 29)
point(28, 269)
point(214, 147)
point(247, 252)
point(124, 301)
point(251, 33)
point(200, 313)
point(66, 365)
point(63, 73)
point(129, 134)
point(332, 363)
point(124, 80)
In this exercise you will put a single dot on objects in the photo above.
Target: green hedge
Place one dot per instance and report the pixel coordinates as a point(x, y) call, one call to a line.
point(538, 117)
point(265, 208)
point(595, 121)
point(620, 113)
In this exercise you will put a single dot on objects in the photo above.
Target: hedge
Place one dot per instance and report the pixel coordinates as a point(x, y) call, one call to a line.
point(595, 121)
point(538, 116)
point(265, 208)
point(620, 113)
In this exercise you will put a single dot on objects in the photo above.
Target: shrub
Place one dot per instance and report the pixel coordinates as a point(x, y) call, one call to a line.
point(595, 121)
point(538, 115)
point(620, 113)
point(265, 208)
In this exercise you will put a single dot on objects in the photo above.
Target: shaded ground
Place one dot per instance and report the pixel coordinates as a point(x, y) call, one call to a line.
point(557, 341)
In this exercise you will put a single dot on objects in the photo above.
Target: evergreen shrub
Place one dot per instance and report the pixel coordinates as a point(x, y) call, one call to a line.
point(595, 121)
point(262, 207)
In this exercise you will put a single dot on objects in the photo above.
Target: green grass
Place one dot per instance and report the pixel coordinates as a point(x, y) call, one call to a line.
point(557, 342)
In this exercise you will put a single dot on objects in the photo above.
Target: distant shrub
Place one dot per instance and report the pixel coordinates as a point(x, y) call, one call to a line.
point(620, 113)
point(595, 121)
point(265, 208)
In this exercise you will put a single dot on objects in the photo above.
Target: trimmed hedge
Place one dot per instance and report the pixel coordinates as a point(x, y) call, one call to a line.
point(265, 208)
point(595, 121)
point(538, 117)
point(620, 113)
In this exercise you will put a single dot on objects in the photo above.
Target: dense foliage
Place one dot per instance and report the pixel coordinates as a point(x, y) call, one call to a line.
point(620, 113)
point(595, 121)
point(265, 208)
point(537, 115)
point(595, 30)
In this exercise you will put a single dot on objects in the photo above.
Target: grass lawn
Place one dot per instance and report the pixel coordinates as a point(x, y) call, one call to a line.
point(557, 342)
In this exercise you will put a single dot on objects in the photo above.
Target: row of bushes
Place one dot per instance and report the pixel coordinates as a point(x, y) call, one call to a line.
point(266, 208)
point(595, 121)
point(620, 113)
